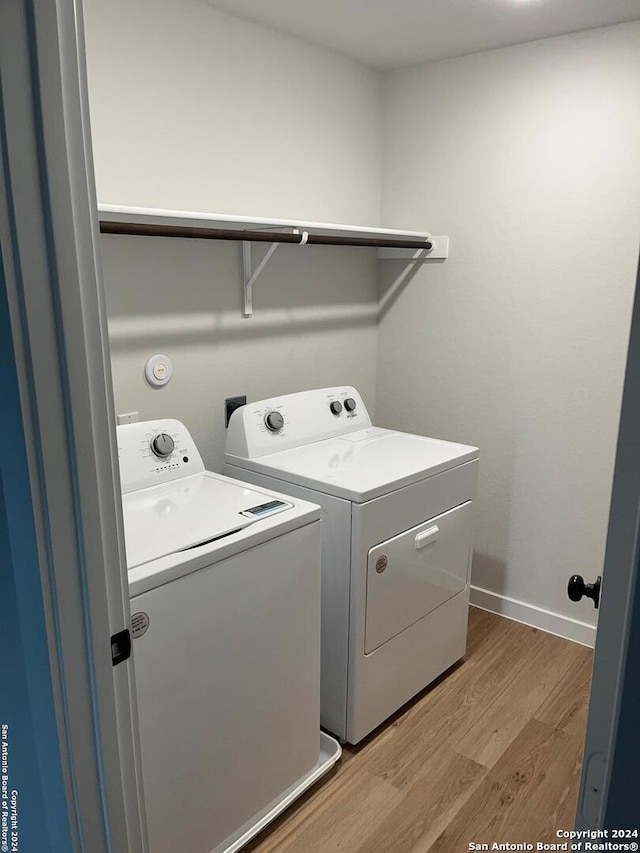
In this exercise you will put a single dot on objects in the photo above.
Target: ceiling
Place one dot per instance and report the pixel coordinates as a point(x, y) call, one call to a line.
point(390, 33)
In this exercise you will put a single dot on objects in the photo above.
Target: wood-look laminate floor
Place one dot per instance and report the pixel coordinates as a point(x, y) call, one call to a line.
point(490, 752)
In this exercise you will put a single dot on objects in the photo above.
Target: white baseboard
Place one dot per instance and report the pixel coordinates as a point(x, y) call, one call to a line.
point(528, 614)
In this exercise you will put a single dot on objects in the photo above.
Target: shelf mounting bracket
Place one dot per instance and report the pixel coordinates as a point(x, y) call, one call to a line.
point(250, 276)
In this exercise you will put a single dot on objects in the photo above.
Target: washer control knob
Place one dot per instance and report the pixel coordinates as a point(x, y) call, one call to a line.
point(163, 445)
point(274, 421)
point(335, 407)
point(350, 404)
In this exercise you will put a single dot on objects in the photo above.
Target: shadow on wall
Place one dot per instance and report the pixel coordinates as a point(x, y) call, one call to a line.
point(182, 292)
point(211, 327)
point(157, 276)
point(487, 572)
point(393, 277)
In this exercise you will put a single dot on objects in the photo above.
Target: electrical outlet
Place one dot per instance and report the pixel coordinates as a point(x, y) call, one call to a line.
point(231, 404)
point(128, 418)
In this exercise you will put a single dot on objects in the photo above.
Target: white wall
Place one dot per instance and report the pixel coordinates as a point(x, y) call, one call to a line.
point(313, 326)
point(193, 109)
point(529, 158)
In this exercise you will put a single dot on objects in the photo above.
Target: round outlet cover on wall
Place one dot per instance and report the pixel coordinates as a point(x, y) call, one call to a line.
point(158, 370)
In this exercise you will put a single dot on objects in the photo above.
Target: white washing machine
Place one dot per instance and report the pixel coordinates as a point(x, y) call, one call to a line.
point(225, 600)
point(396, 543)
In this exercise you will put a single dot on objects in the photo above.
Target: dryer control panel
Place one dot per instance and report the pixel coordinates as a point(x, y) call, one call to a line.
point(281, 423)
point(152, 452)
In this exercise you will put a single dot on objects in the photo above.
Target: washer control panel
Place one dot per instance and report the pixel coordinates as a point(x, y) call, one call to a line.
point(282, 423)
point(152, 452)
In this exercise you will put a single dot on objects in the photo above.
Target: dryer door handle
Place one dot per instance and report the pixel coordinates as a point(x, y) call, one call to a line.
point(427, 536)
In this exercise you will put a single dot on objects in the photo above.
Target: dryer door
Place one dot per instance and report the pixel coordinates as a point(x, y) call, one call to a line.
point(411, 574)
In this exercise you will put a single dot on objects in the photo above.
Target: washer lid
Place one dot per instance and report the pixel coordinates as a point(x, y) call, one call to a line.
point(187, 512)
point(362, 465)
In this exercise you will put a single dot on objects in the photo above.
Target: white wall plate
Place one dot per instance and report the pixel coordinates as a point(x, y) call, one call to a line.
point(158, 370)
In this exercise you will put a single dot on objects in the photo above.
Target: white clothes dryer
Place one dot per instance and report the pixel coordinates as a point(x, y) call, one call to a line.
point(396, 543)
point(225, 601)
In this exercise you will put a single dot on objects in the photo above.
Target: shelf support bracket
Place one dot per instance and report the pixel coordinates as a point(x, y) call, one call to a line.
point(250, 277)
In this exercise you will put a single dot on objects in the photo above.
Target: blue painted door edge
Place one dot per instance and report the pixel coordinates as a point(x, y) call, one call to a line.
point(33, 802)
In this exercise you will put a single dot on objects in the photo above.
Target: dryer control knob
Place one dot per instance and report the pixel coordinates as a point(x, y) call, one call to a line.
point(163, 445)
point(335, 407)
point(350, 404)
point(274, 421)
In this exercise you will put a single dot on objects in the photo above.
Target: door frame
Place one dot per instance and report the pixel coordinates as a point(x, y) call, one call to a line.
point(52, 268)
point(612, 743)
